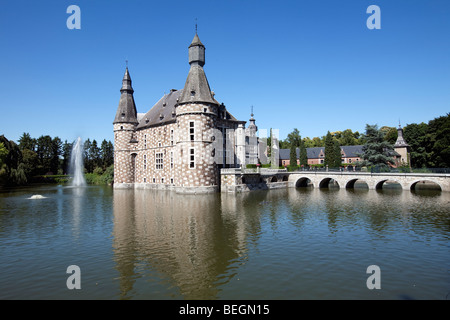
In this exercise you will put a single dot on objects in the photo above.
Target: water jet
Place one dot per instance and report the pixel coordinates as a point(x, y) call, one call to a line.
point(76, 164)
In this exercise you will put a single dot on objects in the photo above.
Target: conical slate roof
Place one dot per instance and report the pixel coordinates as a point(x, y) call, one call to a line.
point(196, 41)
point(401, 142)
point(196, 88)
point(126, 111)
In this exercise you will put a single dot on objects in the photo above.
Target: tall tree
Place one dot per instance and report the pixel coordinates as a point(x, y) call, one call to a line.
point(86, 155)
point(3, 168)
point(66, 153)
point(390, 134)
point(11, 170)
point(30, 163)
point(26, 142)
point(376, 151)
point(332, 151)
point(420, 146)
point(292, 156)
point(56, 150)
point(439, 131)
point(348, 138)
point(107, 153)
point(303, 156)
point(44, 153)
point(94, 155)
point(295, 141)
point(3, 153)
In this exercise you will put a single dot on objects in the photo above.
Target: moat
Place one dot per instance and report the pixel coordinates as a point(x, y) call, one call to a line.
point(295, 243)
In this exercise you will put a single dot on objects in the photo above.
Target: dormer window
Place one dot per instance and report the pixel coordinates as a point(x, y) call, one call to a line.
point(192, 93)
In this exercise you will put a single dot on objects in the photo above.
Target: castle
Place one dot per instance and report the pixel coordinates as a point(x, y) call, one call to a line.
point(184, 140)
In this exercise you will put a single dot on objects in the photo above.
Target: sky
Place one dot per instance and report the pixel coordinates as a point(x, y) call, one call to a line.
point(311, 65)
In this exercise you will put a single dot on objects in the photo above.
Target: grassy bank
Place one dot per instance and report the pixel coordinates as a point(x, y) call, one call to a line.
point(98, 177)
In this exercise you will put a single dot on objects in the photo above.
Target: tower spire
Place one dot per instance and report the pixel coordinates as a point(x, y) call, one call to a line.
point(196, 88)
point(401, 142)
point(126, 111)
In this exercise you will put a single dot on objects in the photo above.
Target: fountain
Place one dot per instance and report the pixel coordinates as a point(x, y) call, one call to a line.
point(76, 164)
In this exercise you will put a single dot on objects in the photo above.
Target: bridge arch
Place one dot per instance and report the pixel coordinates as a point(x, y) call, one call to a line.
point(325, 183)
point(428, 182)
point(379, 184)
point(351, 183)
point(303, 182)
point(273, 179)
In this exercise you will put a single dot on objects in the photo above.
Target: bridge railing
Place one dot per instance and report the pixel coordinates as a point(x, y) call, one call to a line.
point(374, 169)
point(251, 170)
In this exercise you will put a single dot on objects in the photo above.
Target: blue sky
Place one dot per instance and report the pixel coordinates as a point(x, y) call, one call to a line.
point(311, 65)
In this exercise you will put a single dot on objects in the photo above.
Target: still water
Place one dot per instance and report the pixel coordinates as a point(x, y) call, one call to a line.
point(278, 244)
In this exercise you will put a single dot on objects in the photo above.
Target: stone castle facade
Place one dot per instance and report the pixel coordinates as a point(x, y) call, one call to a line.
point(184, 140)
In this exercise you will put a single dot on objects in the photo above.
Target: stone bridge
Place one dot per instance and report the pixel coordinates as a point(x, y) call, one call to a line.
point(237, 180)
point(408, 181)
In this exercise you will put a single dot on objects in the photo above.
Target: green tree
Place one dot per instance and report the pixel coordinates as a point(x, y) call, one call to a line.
point(292, 156)
point(390, 134)
point(303, 156)
point(94, 156)
point(420, 146)
point(3, 167)
point(12, 170)
point(376, 151)
point(30, 163)
point(439, 133)
point(348, 138)
point(26, 142)
point(86, 155)
point(56, 150)
point(3, 153)
point(295, 140)
point(314, 142)
point(332, 151)
point(44, 153)
point(66, 153)
point(107, 154)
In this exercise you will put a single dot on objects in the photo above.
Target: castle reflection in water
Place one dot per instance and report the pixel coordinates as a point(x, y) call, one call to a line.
point(194, 245)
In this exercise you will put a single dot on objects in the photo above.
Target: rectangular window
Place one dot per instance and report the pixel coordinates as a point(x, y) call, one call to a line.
point(171, 180)
point(171, 137)
point(191, 158)
point(145, 161)
point(162, 180)
point(159, 161)
point(192, 130)
point(171, 160)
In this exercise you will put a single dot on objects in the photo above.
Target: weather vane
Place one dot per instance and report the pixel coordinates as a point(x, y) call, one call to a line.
point(195, 25)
